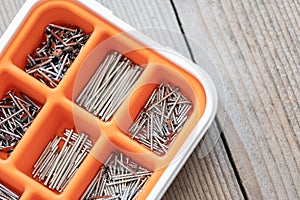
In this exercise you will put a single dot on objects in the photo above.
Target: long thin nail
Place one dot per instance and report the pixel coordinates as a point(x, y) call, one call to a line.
point(164, 115)
point(57, 166)
point(110, 85)
point(119, 178)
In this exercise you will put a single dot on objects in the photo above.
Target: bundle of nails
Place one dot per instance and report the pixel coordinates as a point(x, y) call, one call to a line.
point(119, 178)
point(109, 86)
point(56, 166)
point(52, 59)
point(6, 194)
point(161, 119)
point(17, 111)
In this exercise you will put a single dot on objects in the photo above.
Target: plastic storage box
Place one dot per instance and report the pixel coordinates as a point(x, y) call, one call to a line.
point(59, 110)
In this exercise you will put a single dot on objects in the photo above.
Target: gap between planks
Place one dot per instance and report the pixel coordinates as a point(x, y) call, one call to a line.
point(250, 35)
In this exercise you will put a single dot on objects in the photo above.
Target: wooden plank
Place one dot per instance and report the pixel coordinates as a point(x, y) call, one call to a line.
point(257, 44)
point(211, 177)
point(208, 178)
point(8, 10)
point(153, 18)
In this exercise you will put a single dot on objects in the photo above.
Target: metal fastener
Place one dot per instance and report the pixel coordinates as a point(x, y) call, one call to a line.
point(118, 178)
point(56, 167)
point(109, 86)
point(17, 112)
point(6, 193)
point(49, 62)
point(161, 119)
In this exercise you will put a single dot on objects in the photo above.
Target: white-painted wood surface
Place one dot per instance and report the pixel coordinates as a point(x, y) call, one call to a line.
point(255, 47)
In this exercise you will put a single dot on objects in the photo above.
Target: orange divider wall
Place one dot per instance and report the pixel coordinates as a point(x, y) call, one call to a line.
point(59, 110)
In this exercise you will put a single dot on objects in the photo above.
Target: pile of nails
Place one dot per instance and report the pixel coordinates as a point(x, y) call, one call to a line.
point(6, 194)
point(119, 178)
point(17, 111)
point(161, 119)
point(56, 166)
point(49, 62)
point(109, 86)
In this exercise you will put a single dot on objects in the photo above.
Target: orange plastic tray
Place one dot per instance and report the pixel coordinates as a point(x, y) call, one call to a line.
point(60, 111)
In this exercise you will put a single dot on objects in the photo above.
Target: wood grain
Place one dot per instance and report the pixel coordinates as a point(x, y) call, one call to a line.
point(8, 10)
point(257, 43)
point(157, 21)
point(211, 177)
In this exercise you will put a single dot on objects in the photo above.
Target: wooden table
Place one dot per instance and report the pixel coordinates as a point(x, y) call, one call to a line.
point(252, 150)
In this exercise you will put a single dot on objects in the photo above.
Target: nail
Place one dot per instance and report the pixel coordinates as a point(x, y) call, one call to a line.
point(164, 116)
point(56, 166)
point(119, 178)
point(16, 114)
point(6, 193)
point(50, 63)
point(108, 88)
